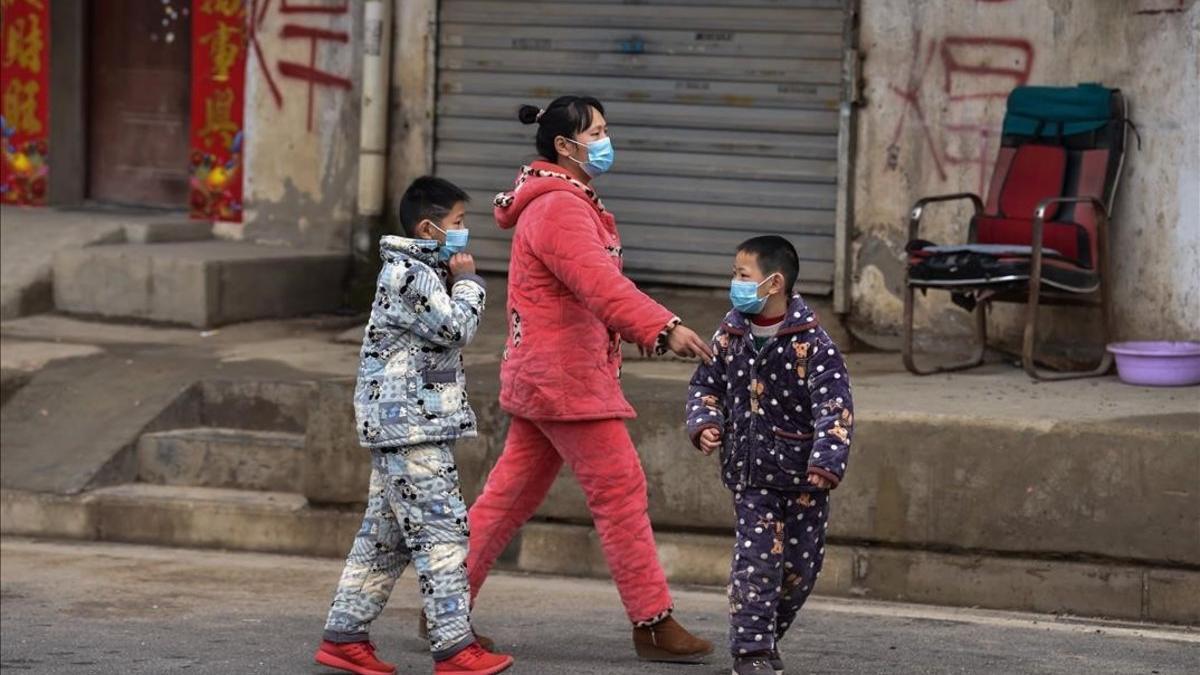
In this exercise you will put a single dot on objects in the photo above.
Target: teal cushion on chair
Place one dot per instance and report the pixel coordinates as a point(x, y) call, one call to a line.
point(1051, 112)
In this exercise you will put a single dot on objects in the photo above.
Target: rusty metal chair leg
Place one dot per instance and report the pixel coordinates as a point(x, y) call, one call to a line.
point(980, 333)
point(907, 348)
point(1028, 349)
point(1029, 356)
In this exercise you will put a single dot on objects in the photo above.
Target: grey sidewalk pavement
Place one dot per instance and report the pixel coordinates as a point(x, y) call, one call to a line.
point(100, 608)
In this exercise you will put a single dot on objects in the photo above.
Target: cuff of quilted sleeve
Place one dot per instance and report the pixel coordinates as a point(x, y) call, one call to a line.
point(660, 344)
point(474, 278)
point(699, 430)
point(833, 478)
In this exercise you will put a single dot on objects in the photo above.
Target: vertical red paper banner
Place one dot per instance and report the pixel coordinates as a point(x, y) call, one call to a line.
point(218, 96)
point(25, 91)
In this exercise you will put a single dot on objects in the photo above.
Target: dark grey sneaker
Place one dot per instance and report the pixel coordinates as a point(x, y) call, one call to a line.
point(753, 665)
point(777, 662)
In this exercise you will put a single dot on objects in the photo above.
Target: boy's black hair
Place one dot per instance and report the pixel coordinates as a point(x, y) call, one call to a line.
point(565, 116)
point(774, 255)
point(428, 198)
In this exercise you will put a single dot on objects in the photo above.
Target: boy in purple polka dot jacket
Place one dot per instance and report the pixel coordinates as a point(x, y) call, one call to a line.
point(776, 403)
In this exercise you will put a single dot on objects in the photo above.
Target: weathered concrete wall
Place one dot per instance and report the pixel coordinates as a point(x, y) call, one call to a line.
point(936, 72)
point(301, 176)
point(413, 100)
point(303, 81)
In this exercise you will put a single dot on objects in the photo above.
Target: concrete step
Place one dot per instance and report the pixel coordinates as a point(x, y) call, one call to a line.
point(243, 520)
point(993, 463)
point(253, 404)
point(222, 458)
point(74, 424)
point(201, 284)
point(197, 517)
point(161, 232)
point(276, 522)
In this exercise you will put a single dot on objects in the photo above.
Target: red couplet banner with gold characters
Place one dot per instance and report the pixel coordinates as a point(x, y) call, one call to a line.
point(218, 95)
point(25, 88)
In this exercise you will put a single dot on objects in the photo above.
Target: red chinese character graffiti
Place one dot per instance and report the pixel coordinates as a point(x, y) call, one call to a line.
point(1154, 7)
point(910, 94)
point(309, 72)
point(969, 63)
point(314, 8)
point(306, 72)
point(975, 70)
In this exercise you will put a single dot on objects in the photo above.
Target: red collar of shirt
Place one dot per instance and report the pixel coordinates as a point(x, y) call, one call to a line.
point(759, 320)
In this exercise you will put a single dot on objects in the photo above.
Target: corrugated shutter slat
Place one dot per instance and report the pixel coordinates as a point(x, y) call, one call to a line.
point(723, 114)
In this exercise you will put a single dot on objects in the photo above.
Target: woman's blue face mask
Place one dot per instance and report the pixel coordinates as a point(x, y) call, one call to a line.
point(600, 156)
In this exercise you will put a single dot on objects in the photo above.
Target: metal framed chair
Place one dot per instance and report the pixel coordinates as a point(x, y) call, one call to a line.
point(1042, 236)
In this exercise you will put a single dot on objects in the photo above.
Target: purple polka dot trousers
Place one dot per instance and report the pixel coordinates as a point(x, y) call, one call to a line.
point(776, 560)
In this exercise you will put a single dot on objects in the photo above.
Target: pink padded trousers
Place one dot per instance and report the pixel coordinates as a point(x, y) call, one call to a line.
point(605, 462)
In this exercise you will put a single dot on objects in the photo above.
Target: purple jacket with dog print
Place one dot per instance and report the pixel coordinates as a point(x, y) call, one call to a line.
point(784, 412)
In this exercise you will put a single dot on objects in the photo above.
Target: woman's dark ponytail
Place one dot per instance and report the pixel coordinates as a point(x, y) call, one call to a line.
point(565, 116)
point(528, 114)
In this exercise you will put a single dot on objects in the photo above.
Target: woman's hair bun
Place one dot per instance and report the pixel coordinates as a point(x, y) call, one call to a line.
point(528, 114)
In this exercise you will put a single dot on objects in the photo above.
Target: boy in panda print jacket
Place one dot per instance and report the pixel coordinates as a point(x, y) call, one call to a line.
point(410, 405)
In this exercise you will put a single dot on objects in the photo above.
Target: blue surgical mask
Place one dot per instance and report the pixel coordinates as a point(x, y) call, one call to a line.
point(456, 241)
point(744, 296)
point(600, 156)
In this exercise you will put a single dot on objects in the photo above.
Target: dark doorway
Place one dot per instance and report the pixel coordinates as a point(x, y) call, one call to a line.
point(139, 75)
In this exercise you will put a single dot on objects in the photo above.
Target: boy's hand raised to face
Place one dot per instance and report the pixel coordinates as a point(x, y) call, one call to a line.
point(684, 342)
point(462, 263)
point(710, 440)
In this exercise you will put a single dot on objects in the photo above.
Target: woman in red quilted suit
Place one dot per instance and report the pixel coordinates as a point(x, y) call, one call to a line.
point(569, 308)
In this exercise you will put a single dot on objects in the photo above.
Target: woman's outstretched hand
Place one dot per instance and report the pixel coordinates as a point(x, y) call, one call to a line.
point(684, 342)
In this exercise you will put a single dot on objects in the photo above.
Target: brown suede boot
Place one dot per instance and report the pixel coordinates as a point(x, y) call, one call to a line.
point(669, 642)
point(423, 631)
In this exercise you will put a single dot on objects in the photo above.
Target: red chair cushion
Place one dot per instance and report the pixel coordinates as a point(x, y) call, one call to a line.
point(1068, 239)
point(1036, 173)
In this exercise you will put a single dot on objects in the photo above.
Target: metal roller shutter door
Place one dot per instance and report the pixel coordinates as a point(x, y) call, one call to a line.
point(724, 116)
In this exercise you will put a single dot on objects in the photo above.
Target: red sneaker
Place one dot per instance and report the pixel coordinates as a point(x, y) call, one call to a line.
point(353, 657)
point(474, 660)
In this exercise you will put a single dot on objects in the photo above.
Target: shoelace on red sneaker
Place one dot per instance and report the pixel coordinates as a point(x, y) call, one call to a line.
point(474, 652)
point(359, 650)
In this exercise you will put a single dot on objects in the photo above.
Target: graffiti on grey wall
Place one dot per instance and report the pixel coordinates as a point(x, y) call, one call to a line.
point(962, 77)
point(300, 21)
point(1154, 7)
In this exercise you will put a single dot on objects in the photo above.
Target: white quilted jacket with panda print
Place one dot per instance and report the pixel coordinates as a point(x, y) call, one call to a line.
point(411, 385)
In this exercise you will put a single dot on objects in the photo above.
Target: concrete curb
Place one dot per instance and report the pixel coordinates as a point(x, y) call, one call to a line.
point(1130, 592)
point(268, 522)
point(286, 523)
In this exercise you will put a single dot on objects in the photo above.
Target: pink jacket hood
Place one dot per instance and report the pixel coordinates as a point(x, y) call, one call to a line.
point(533, 181)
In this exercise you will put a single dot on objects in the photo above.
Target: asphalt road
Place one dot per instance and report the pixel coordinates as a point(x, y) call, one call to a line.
point(96, 608)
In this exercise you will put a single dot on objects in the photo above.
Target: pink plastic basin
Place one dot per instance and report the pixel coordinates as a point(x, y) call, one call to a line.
point(1158, 364)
